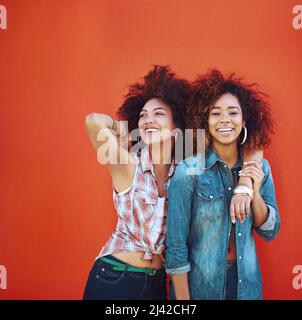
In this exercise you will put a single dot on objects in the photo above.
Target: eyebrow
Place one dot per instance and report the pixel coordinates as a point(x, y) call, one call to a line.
point(158, 108)
point(229, 107)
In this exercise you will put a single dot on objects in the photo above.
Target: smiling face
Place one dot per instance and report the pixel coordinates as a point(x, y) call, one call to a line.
point(155, 122)
point(225, 120)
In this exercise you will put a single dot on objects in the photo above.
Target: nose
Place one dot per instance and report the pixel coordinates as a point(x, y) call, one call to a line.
point(225, 118)
point(149, 119)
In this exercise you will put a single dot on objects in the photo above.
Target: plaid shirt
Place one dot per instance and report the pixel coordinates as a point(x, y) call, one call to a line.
point(140, 226)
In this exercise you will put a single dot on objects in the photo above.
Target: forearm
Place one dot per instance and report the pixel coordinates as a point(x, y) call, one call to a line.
point(249, 155)
point(181, 286)
point(260, 210)
point(97, 121)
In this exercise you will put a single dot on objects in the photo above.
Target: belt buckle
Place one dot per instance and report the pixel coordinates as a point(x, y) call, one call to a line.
point(153, 272)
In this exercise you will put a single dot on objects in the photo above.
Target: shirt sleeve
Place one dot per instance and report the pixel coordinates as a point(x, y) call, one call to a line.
point(270, 228)
point(180, 195)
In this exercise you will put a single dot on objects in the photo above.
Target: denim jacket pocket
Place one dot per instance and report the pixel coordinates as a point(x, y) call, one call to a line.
point(211, 204)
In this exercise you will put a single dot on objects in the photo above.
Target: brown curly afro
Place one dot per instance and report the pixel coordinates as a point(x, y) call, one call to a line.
point(161, 83)
point(208, 88)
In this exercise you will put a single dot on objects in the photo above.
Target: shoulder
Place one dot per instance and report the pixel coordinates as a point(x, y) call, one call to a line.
point(188, 167)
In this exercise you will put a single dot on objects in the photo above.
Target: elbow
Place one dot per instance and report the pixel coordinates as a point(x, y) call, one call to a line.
point(93, 122)
point(90, 119)
point(269, 236)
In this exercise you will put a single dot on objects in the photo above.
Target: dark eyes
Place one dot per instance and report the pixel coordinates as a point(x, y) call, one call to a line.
point(217, 113)
point(156, 113)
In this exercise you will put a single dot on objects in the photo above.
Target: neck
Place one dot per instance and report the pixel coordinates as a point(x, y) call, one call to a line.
point(160, 155)
point(227, 153)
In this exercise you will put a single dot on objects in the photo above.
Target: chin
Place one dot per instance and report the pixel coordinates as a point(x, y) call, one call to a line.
point(226, 142)
point(149, 141)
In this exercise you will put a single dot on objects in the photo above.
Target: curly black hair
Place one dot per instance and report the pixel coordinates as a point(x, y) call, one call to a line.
point(208, 88)
point(161, 83)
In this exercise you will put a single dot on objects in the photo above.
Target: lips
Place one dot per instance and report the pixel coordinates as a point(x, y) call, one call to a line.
point(150, 130)
point(225, 129)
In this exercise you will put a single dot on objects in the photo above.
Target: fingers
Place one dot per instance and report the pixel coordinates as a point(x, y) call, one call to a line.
point(255, 163)
point(247, 206)
point(240, 207)
point(232, 211)
point(252, 172)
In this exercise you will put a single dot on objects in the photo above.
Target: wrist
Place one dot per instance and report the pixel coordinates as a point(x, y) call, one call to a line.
point(246, 181)
point(113, 124)
point(121, 129)
point(242, 189)
point(257, 194)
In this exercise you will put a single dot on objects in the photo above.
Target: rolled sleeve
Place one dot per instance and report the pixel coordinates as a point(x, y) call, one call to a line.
point(270, 228)
point(270, 222)
point(178, 269)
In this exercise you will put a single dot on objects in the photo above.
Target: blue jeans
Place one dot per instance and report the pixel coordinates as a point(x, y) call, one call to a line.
point(104, 283)
point(231, 282)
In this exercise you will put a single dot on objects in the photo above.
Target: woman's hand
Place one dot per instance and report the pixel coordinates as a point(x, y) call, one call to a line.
point(254, 171)
point(240, 203)
point(240, 207)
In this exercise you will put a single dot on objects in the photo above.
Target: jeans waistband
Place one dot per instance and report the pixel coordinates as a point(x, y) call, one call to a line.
point(119, 265)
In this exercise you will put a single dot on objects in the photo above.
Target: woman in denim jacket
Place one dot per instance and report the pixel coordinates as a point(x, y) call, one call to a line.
point(211, 251)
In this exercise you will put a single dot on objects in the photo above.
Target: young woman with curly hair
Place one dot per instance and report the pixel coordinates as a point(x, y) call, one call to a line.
point(211, 254)
point(130, 265)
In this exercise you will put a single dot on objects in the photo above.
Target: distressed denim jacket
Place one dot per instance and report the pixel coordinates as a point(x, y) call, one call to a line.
point(199, 227)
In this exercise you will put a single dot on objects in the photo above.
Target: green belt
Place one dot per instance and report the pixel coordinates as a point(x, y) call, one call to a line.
point(122, 267)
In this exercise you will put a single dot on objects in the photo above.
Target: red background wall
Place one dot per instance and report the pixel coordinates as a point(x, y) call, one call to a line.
point(60, 60)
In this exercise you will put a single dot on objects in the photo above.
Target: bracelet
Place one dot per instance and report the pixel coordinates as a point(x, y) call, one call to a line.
point(244, 190)
point(124, 129)
point(114, 125)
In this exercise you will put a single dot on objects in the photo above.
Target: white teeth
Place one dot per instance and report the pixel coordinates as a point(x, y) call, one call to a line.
point(151, 130)
point(225, 130)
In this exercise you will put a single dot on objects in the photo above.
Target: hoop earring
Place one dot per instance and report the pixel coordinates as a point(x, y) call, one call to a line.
point(245, 135)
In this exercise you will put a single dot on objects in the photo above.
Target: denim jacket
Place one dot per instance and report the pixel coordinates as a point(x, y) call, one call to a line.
point(199, 227)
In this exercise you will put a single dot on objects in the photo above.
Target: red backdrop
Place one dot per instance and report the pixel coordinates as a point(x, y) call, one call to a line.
point(60, 60)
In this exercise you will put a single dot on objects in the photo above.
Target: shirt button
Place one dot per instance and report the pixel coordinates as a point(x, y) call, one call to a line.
point(239, 234)
point(211, 197)
point(240, 257)
point(229, 188)
point(240, 281)
point(229, 234)
point(225, 166)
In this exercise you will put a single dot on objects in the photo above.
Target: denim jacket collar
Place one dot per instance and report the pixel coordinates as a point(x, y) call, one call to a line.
point(212, 157)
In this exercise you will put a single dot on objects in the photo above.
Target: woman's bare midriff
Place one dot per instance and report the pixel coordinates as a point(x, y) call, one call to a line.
point(232, 255)
point(136, 259)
